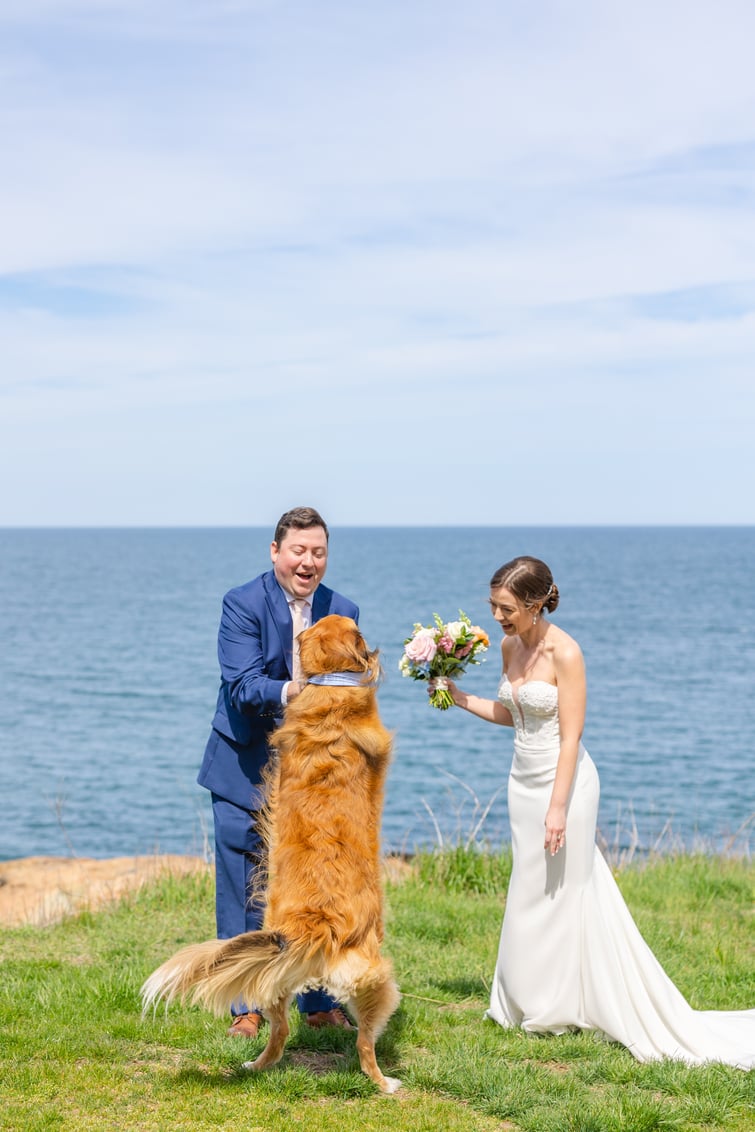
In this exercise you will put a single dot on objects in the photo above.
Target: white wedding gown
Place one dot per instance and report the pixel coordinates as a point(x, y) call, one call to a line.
point(571, 955)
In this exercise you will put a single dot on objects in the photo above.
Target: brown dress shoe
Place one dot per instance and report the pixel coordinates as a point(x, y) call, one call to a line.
point(246, 1025)
point(335, 1017)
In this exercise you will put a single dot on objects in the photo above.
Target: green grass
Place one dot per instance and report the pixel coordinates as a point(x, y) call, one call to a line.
point(75, 1053)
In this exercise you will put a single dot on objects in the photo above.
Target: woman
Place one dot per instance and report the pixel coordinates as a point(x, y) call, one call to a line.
point(570, 954)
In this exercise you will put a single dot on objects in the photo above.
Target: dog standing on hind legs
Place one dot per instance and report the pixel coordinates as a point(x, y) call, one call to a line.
point(323, 922)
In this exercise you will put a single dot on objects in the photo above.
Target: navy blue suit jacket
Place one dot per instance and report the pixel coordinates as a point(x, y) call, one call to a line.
point(255, 650)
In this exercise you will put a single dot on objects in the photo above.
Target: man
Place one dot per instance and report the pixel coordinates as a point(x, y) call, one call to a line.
point(258, 658)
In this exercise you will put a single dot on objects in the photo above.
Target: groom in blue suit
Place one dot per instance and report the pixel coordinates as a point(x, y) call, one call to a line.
point(257, 665)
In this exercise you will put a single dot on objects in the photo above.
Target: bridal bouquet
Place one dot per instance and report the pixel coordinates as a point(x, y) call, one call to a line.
point(434, 652)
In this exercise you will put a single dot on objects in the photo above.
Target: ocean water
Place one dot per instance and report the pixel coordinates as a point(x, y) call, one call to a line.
point(109, 678)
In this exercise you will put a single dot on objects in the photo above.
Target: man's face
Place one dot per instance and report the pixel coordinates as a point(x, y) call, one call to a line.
point(300, 560)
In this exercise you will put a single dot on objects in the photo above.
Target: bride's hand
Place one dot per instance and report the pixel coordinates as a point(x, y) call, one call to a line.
point(555, 829)
point(456, 693)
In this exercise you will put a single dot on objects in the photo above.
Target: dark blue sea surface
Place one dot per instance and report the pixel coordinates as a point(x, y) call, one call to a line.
point(109, 677)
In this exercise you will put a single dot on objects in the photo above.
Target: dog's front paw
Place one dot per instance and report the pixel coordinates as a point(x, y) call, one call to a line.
point(392, 1085)
point(257, 1065)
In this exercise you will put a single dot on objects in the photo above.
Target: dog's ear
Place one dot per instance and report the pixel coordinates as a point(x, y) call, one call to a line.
point(361, 658)
point(355, 650)
point(320, 646)
point(313, 648)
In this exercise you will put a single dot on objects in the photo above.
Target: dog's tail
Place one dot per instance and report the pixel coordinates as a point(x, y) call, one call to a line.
point(258, 967)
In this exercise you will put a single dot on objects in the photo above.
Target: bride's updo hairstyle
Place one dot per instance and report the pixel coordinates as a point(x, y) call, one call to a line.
point(529, 580)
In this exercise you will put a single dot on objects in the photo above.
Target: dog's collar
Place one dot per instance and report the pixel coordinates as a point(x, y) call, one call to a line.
point(341, 679)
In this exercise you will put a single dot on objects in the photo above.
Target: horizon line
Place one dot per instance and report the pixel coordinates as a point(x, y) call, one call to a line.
point(649, 525)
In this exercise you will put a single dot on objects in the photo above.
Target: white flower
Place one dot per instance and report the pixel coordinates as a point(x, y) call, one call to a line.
point(456, 629)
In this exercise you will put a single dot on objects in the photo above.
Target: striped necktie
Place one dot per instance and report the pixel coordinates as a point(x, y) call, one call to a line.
point(300, 621)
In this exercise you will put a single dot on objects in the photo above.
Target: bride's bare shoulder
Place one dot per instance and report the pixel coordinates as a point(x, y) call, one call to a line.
point(565, 648)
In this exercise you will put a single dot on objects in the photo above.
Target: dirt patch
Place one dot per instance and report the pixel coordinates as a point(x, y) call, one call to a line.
point(316, 1061)
point(398, 868)
point(44, 890)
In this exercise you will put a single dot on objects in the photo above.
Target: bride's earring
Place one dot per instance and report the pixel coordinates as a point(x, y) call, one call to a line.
point(534, 619)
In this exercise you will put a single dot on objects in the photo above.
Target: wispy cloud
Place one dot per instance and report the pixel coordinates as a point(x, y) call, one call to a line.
point(532, 223)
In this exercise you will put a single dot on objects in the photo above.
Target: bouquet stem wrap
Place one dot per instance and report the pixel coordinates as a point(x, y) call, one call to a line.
point(440, 697)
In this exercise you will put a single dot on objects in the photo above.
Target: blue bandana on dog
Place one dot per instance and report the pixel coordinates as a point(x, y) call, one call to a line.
point(342, 679)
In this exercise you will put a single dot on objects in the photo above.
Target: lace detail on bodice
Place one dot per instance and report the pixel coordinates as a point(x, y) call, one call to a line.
point(534, 708)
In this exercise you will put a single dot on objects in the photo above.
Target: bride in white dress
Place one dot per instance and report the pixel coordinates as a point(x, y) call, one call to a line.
point(570, 954)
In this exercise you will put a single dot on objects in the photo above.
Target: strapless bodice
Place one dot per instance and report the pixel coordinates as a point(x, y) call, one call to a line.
point(534, 709)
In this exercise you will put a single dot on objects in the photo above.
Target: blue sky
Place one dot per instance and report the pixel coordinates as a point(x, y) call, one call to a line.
point(409, 262)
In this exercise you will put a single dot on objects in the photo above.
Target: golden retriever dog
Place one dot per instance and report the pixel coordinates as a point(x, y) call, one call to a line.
point(323, 921)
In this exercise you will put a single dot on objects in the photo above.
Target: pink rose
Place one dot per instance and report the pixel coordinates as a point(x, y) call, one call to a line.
point(446, 644)
point(465, 651)
point(422, 647)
